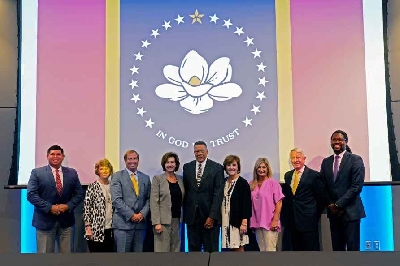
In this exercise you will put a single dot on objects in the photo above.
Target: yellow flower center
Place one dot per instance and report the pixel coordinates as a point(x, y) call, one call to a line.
point(194, 81)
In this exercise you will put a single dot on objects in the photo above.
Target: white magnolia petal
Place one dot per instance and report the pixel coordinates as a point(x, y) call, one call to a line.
point(225, 92)
point(172, 74)
point(193, 65)
point(170, 91)
point(229, 75)
point(219, 71)
point(197, 105)
point(196, 91)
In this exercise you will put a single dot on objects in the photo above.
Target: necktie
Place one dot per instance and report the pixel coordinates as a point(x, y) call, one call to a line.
point(336, 167)
point(296, 182)
point(198, 176)
point(58, 182)
point(135, 184)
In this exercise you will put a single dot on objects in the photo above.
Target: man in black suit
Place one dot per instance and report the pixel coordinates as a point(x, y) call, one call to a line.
point(302, 211)
point(204, 183)
point(342, 177)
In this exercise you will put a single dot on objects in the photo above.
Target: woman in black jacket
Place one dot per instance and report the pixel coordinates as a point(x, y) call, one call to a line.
point(236, 206)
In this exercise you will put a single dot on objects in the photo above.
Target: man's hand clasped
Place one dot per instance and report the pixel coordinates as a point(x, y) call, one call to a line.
point(57, 209)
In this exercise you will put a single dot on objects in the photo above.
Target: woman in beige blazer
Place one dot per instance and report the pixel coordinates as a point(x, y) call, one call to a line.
point(167, 192)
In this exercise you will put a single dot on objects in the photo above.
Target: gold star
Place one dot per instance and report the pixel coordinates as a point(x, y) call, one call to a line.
point(196, 17)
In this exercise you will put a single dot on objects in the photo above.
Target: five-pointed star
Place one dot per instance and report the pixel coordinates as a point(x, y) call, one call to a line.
point(227, 23)
point(256, 53)
point(196, 17)
point(261, 67)
point(214, 18)
point(249, 41)
point(262, 81)
point(179, 19)
point(167, 25)
point(149, 123)
point(145, 43)
point(260, 96)
point(256, 109)
point(154, 33)
point(134, 70)
point(247, 122)
point(141, 111)
point(133, 84)
point(138, 56)
point(135, 97)
point(239, 31)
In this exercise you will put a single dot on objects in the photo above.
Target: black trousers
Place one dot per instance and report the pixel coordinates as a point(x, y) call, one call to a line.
point(345, 234)
point(305, 241)
point(199, 236)
point(106, 246)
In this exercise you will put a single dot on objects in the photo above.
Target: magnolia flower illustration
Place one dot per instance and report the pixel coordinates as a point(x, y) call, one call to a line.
point(195, 85)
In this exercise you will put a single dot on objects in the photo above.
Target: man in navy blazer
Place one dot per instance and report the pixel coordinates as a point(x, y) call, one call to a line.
point(301, 204)
point(204, 188)
point(54, 191)
point(130, 194)
point(342, 177)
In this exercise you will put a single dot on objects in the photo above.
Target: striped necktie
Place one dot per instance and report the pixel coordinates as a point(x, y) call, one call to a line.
point(135, 184)
point(58, 182)
point(199, 174)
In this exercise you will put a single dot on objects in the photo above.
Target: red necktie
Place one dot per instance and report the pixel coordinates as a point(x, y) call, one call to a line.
point(58, 183)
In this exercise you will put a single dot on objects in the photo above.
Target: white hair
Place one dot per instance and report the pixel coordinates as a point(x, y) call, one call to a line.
point(298, 150)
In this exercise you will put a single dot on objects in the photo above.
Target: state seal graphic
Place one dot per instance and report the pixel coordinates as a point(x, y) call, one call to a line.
point(199, 86)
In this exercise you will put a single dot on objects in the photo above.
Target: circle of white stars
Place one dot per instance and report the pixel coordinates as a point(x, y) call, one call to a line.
point(197, 17)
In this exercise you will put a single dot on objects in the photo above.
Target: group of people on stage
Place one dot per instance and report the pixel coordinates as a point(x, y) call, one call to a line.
point(117, 205)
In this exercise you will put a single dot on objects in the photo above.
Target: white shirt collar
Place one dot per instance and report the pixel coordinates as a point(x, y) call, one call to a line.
point(340, 154)
point(130, 172)
point(301, 169)
point(54, 169)
point(202, 164)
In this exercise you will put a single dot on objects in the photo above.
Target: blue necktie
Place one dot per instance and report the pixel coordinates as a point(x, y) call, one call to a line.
point(336, 167)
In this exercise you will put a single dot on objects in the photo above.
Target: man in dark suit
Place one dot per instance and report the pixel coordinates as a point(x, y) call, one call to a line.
point(203, 180)
point(301, 204)
point(54, 191)
point(342, 177)
point(130, 194)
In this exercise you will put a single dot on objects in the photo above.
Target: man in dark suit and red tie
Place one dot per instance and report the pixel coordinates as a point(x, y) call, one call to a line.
point(302, 208)
point(54, 191)
point(342, 177)
point(204, 184)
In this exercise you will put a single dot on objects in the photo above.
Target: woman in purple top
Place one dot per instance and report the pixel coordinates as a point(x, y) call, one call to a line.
point(266, 197)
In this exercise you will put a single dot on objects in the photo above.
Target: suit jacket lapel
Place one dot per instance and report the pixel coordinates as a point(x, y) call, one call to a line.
point(180, 183)
point(193, 171)
point(206, 171)
point(345, 158)
point(301, 181)
point(164, 182)
point(65, 179)
point(289, 180)
point(140, 184)
point(50, 175)
point(303, 176)
point(51, 178)
point(330, 169)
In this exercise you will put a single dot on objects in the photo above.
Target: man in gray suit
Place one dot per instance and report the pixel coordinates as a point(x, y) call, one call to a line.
point(130, 194)
point(204, 186)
